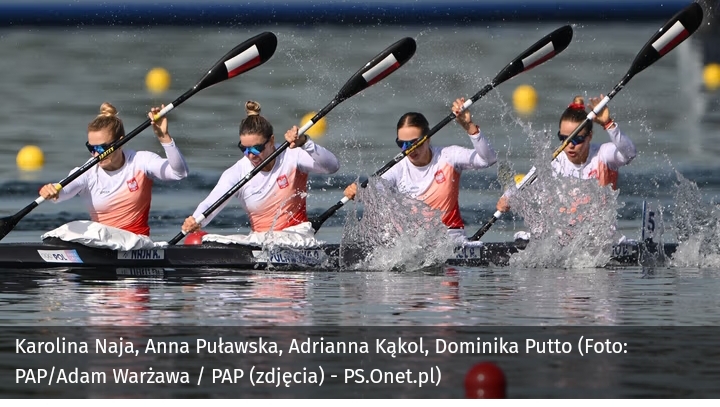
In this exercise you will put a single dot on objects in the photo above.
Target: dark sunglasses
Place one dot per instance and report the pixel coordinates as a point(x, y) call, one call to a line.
point(405, 144)
point(100, 148)
point(575, 141)
point(256, 149)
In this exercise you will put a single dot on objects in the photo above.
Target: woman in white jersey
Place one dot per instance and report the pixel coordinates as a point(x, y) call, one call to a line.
point(432, 174)
point(583, 159)
point(117, 191)
point(274, 198)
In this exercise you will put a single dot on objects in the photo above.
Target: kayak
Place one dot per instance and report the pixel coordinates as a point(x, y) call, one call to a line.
point(55, 253)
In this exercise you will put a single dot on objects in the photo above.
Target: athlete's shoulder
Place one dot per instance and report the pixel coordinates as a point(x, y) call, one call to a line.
point(243, 164)
point(140, 157)
point(396, 171)
point(294, 153)
point(559, 160)
point(452, 150)
point(83, 177)
point(608, 147)
point(447, 149)
point(132, 154)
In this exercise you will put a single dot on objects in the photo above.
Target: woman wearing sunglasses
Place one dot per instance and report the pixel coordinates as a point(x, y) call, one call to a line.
point(583, 159)
point(117, 191)
point(275, 198)
point(432, 174)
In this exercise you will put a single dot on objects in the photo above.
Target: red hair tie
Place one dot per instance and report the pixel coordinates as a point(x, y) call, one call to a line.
point(576, 106)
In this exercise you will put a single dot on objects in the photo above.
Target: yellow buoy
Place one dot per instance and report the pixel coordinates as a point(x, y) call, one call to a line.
point(30, 158)
point(525, 99)
point(711, 76)
point(318, 129)
point(157, 80)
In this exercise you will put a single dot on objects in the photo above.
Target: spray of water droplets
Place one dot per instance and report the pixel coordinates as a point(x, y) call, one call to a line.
point(697, 226)
point(396, 231)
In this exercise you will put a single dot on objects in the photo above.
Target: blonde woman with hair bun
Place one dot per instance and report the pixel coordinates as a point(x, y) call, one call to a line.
point(117, 191)
point(275, 199)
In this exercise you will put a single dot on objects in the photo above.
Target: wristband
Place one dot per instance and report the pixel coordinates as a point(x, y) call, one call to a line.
point(609, 124)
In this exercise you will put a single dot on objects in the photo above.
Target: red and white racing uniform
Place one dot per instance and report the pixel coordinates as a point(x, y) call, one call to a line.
point(122, 198)
point(274, 200)
point(438, 183)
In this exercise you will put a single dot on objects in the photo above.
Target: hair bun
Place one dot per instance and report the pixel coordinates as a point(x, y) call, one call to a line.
point(578, 103)
point(252, 108)
point(106, 109)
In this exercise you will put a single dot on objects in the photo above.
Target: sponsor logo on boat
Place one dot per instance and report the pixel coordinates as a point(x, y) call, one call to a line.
point(468, 252)
point(132, 185)
point(142, 254)
point(621, 250)
point(307, 257)
point(140, 271)
point(60, 256)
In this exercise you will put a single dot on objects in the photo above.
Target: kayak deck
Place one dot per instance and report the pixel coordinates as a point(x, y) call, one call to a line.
point(54, 253)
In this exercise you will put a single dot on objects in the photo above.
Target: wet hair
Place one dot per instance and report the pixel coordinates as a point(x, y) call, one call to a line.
point(254, 123)
point(414, 119)
point(575, 113)
point(108, 119)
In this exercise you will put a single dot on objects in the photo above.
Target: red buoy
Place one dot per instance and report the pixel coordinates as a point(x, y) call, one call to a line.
point(485, 381)
point(195, 238)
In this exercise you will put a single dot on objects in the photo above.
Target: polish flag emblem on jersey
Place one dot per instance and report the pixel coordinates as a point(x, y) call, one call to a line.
point(132, 185)
point(439, 177)
point(283, 182)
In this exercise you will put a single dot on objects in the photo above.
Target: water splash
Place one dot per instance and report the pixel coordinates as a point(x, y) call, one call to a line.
point(697, 226)
point(572, 221)
point(397, 232)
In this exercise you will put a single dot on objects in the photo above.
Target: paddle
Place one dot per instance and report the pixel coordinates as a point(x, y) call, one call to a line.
point(246, 56)
point(670, 35)
point(543, 50)
point(378, 68)
point(519, 185)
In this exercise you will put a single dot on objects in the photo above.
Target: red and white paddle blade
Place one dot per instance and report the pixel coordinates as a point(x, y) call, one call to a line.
point(548, 47)
point(385, 63)
point(681, 26)
point(244, 57)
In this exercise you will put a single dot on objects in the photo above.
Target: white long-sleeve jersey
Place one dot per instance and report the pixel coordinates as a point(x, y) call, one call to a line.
point(438, 183)
point(274, 200)
point(122, 198)
point(603, 160)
